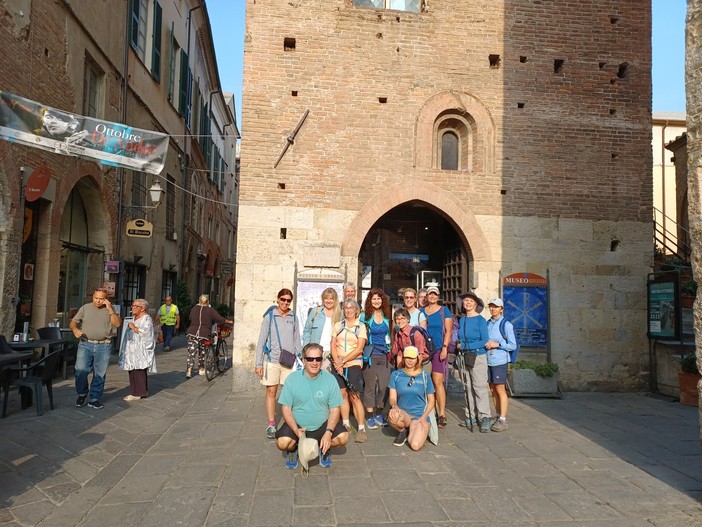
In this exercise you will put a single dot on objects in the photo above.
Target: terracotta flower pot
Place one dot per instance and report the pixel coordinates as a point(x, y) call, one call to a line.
point(688, 388)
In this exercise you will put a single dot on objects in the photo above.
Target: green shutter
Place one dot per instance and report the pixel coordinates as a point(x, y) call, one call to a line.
point(156, 44)
point(171, 67)
point(183, 85)
point(134, 33)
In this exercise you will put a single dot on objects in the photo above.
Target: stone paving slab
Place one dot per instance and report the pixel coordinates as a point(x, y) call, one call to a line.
point(194, 453)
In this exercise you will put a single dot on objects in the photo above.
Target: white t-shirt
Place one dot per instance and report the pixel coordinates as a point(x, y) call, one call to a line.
point(417, 317)
point(326, 335)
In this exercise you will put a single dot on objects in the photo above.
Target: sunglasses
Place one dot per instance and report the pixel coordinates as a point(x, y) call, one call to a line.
point(411, 382)
point(313, 359)
point(287, 300)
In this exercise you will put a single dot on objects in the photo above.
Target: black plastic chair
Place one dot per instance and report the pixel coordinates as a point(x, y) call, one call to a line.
point(38, 374)
point(69, 350)
point(4, 346)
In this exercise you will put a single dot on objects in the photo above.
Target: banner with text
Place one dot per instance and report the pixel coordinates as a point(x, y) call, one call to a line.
point(33, 124)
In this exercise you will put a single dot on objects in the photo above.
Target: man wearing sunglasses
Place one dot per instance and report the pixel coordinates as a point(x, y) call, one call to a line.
point(311, 400)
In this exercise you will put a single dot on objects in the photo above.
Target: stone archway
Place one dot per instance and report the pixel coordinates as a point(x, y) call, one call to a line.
point(446, 203)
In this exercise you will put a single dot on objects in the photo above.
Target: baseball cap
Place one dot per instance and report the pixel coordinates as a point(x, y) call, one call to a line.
point(410, 352)
point(433, 289)
point(496, 302)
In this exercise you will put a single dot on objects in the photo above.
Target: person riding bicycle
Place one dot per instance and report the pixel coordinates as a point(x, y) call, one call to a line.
point(202, 316)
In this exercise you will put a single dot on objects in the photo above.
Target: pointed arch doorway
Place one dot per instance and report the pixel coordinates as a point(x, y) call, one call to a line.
point(411, 245)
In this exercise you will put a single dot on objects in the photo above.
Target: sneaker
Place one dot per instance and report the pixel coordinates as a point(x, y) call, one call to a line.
point(371, 423)
point(270, 432)
point(380, 421)
point(441, 421)
point(96, 404)
point(202, 371)
point(499, 426)
point(468, 422)
point(291, 460)
point(188, 373)
point(401, 438)
point(361, 436)
point(325, 459)
point(80, 402)
point(167, 348)
point(485, 425)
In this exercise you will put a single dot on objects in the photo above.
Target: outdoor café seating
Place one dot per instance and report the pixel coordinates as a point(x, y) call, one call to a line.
point(35, 376)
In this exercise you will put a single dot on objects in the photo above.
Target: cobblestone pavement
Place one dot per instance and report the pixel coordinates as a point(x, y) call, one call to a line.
point(194, 453)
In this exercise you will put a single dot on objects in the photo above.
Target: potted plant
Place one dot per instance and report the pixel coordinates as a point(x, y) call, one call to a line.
point(534, 378)
point(688, 378)
point(688, 292)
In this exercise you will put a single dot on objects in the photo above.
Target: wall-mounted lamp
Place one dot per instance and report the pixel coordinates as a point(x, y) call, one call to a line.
point(155, 193)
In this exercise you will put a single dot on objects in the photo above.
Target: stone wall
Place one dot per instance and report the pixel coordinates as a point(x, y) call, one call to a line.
point(693, 84)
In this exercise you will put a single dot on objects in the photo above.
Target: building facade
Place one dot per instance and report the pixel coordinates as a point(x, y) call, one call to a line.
point(147, 64)
point(473, 140)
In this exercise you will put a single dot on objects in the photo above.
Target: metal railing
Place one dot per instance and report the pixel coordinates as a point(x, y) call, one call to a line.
point(671, 237)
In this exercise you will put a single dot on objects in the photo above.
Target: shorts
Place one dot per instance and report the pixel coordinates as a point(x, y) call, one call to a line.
point(354, 376)
point(497, 374)
point(438, 365)
point(274, 374)
point(286, 431)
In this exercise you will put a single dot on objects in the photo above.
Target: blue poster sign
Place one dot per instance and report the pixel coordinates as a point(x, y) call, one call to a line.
point(526, 306)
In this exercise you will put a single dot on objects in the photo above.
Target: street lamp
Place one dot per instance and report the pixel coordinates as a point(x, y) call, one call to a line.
point(155, 193)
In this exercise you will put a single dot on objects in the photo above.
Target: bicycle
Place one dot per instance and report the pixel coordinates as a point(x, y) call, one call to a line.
point(217, 351)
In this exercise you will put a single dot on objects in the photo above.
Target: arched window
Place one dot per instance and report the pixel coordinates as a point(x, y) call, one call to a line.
point(449, 151)
point(453, 140)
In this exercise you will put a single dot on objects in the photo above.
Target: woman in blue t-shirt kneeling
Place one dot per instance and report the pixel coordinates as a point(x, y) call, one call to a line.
point(411, 400)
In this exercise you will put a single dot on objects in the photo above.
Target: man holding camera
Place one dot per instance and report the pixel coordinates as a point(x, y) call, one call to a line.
point(93, 326)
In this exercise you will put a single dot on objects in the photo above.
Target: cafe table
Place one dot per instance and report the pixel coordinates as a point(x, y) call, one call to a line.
point(44, 344)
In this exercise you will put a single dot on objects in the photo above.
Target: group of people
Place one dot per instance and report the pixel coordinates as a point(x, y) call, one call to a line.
point(377, 365)
point(96, 323)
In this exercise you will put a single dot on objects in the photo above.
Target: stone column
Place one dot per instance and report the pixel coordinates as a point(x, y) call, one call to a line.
point(693, 84)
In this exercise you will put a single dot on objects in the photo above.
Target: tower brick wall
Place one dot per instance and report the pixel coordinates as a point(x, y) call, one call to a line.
point(554, 100)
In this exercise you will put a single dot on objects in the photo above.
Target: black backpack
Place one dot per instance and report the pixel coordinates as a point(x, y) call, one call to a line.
point(431, 345)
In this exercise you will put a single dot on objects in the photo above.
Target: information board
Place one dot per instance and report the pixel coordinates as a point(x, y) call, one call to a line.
point(663, 312)
point(525, 296)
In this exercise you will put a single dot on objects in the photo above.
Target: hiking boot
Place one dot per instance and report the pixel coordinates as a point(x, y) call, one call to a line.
point(380, 421)
point(270, 432)
point(371, 423)
point(291, 460)
point(361, 436)
point(96, 404)
point(401, 438)
point(485, 425)
point(441, 421)
point(80, 402)
point(499, 426)
point(325, 459)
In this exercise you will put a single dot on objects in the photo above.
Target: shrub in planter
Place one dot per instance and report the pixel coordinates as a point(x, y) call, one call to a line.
point(529, 377)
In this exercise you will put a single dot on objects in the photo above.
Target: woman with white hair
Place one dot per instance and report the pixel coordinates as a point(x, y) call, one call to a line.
point(202, 317)
point(137, 353)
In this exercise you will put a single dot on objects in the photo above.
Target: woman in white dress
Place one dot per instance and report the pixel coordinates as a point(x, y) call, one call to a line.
point(137, 353)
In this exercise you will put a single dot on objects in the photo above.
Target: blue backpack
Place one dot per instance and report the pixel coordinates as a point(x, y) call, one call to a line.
point(512, 354)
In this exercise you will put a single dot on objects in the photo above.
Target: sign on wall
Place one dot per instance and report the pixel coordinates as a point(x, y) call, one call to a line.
point(309, 295)
point(525, 296)
point(663, 310)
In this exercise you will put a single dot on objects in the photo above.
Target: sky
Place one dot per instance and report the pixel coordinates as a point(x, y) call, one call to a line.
point(227, 19)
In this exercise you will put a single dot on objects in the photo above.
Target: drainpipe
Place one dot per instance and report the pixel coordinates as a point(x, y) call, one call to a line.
point(184, 165)
point(665, 215)
point(118, 229)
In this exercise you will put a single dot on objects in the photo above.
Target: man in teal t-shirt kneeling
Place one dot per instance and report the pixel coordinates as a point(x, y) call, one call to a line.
point(311, 401)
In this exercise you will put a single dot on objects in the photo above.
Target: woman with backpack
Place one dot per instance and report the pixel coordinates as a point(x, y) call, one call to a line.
point(348, 339)
point(439, 326)
point(320, 323)
point(472, 338)
point(376, 362)
point(502, 342)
